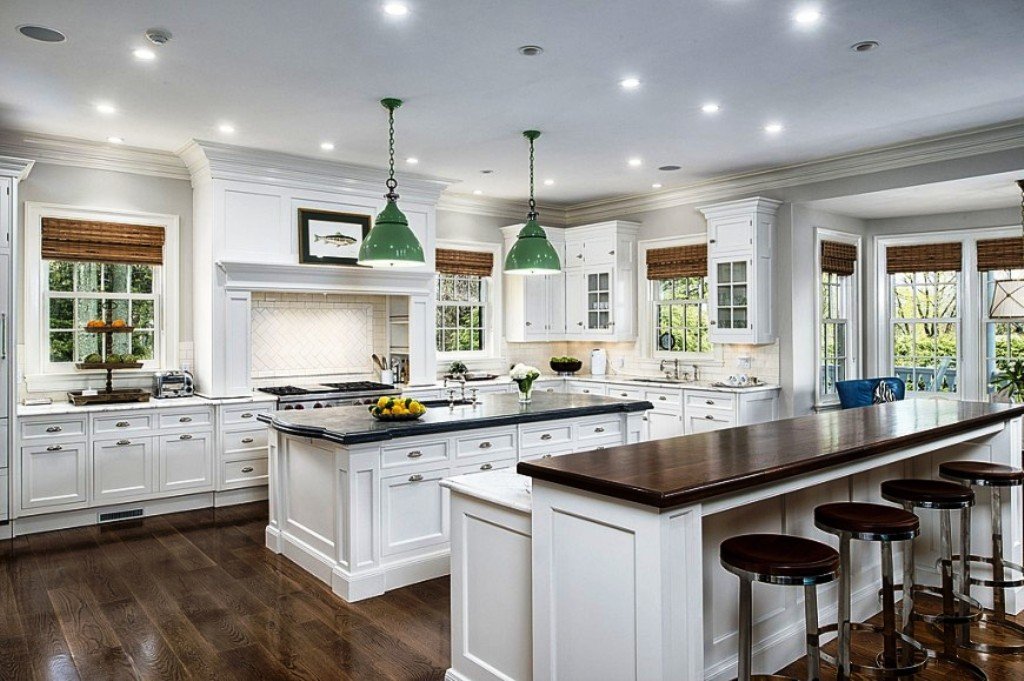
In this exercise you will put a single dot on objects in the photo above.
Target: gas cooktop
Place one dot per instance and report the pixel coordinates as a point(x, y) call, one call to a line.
point(327, 394)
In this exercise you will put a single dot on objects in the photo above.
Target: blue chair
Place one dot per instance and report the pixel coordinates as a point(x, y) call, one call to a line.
point(860, 392)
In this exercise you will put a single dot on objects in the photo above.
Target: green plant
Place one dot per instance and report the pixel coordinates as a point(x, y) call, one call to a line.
point(457, 369)
point(564, 360)
point(1010, 380)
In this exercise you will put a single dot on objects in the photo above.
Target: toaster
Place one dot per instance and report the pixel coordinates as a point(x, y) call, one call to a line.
point(173, 384)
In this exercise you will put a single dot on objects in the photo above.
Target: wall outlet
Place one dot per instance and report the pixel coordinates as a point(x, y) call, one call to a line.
point(743, 362)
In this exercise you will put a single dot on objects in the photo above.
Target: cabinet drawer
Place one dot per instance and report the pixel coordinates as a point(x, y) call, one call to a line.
point(709, 400)
point(240, 440)
point(242, 413)
point(701, 419)
point(664, 398)
point(74, 427)
point(626, 393)
point(122, 469)
point(590, 445)
point(491, 442)
point(53, 475)
point(413, 453)
point(414, 511)
point(585, 388)
point(244, 472)
point(546, 453)
point(122, 423)
point(598, 430)
point(548, 435)
point(187, 419)
point(186, 461)
point(548, 387)
point(488, 465)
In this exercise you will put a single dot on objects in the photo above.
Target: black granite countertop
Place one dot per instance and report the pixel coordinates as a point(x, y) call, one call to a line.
point(354, 425)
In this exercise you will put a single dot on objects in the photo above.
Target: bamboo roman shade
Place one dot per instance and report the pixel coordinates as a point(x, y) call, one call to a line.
point(1000, 254)
point(924, 258)
point(65, 239)
point(838, 257)
point(677, 261)
point(466, 263)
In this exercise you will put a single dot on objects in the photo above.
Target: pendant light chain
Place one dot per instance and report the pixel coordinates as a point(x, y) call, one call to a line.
point(392, 183)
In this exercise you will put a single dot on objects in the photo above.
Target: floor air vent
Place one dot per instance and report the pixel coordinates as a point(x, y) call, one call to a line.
point(114, 516)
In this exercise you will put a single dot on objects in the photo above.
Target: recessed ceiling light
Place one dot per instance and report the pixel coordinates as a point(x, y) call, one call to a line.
point(549, 182)
point(531, 50)
point(807, 16)
point(158, 36)
point(412, 160)
point(396, 9)
point(106, 108)
point(864, 46)
point(773, 128)
point(656, 185)
point(486, 171)
point(669, 168)
point(629, 83)
point(144, 54)
point(478, 192)
point(327, 146)
point(226, 128)
point(115, 140)
point(42, 33)
point(710, 108)
point(635, 162)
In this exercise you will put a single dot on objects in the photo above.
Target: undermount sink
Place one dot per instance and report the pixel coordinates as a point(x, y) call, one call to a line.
point(662, 380)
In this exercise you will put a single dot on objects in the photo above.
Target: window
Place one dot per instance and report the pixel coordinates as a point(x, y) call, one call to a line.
point(461, 308)
point(1003, 338)
point(681, 315)
point(925, 329)
point(834, 338)
point(78, 292)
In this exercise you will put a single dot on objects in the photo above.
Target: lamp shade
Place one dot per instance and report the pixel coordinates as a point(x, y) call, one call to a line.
point(391, 243)
point(532, 253)
point(1007, 300)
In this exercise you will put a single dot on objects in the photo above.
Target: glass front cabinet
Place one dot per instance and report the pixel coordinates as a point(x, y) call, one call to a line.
point(740, 235)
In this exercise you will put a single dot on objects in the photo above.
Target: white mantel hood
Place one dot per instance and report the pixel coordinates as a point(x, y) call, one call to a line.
point(254, 276)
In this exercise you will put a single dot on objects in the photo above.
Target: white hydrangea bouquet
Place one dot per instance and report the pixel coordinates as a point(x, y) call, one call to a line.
point(524, 375)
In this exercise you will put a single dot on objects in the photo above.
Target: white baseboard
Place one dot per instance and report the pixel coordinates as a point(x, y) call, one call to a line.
point(90, 516)
point(244, 495)
point(452, 675)
point(6, 531)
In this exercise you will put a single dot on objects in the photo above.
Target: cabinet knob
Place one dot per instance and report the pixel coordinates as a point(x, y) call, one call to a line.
point(247, 415)
point(247, 440)
point(599, 429)
point(545, 436)
point(709, 417)
point(611, 252)
point(711, 241)
point(662, 398)
point(713, 322)
point(709, 401)
point(415, 478)
point(485, 445)
point(184, 436)
point(54, 448)
point(185, 419)
point(414, 454)
point(623, 394)
point(123, 443)
point(486, 467)
point(54, 429)
point(579, 256)
point(248, 469)
point(529, 323)
point(547, 456)
point(122, 424)
point(586, 391)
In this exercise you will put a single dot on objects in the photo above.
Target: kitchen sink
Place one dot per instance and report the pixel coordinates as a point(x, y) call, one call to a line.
point(663, 380)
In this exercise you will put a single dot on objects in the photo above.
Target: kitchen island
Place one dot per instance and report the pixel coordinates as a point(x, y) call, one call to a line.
point(359, 503)
point(626, 580)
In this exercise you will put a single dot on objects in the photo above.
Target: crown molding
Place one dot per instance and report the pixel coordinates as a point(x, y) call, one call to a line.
point(68, 151)
point(18, 168)
point(214, 160)
point(992, 139)
point(509, 209)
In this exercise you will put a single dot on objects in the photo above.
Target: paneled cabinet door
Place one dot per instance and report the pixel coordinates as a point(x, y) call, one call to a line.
point(731, 308)
point(575, 303)
point(600, 301)
point(5, 333)
point(414, 511)
point(536, 309)
point(556, 303)
point(664, 424)
point(186, 461)
point(704, 422)
point(122, 469)
point(53, 475)
point(730, 235)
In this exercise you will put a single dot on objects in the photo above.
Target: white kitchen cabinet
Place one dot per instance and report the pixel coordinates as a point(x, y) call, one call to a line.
point(186, 461)
point(534, 305)
point(702, 421)
point(54, 475)
point(600, 281)
point(585, 388)
point(664, 424)
point(413, 511)
point(706, 410)
point(5, 335)
point(122, 469)
point(740, 235)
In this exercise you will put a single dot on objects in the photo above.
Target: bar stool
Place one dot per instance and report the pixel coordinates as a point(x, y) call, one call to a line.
point(783, 560)
point(885, 525)
point(957, 608)
point(995, 476)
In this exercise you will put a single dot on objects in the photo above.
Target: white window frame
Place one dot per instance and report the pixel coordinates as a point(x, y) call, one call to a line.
point(492, 311)
point(39, 375)
point(647, 319)
point(851, 293)
point(983, 331)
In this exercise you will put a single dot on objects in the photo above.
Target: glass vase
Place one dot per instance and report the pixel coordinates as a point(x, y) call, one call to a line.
point(525, 391)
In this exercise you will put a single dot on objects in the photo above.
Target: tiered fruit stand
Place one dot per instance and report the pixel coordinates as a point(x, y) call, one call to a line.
point(109, 394)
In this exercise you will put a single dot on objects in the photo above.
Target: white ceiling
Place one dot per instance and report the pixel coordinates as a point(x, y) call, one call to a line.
point(955, 196)
point(289, 75)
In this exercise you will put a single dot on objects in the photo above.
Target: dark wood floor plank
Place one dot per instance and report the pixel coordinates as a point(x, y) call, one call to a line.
point(97, 652)
point(150, 654)
point(49, 654)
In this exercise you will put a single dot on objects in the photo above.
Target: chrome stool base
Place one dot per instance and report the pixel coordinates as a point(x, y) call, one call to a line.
point(918, 654)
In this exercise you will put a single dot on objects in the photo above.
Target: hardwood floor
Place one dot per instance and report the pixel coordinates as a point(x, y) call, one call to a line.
point(196, 596)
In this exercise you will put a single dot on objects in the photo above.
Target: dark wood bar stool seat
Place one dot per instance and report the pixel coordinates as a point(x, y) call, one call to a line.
point(783, 560)
point(996, 477)
point(901, 654)
point(958, 608)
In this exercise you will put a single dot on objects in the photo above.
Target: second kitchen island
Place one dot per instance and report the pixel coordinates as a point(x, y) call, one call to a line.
point(359, 503)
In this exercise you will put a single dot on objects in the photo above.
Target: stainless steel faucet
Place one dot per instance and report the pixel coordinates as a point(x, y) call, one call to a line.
point(451, 393)
point(696, 373)
point(675, 368)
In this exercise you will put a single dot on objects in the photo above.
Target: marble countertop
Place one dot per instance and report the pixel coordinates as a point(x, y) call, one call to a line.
point(503, 487)
point(354, 425)
point(63, 407)
point(616, 379)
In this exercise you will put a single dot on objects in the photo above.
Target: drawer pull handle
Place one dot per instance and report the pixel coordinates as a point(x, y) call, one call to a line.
point(247, 440)
point(184, 436)
point(54, 429)
point(122, 424)
point(586, 391)
point(663, 398)
point(709, 401)
point(599, 429)
point(247, 415)
point(485, 445)
point(248, 469)
point(123, 443)
point(547, 456)
point(54, 448)
point(486, 467)
point(709, 417)
point(545, 436)
point(414, 454)
point(185, 419)
point(624, 394)
point(415, 478)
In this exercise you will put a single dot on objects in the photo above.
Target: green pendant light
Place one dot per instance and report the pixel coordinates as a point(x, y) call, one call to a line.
point(390, 242)
point(532, 253)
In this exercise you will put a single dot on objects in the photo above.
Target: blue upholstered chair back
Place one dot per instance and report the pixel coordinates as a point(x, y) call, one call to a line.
point(860, 392)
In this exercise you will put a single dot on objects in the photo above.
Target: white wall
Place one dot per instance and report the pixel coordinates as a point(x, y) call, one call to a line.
point(456, 226)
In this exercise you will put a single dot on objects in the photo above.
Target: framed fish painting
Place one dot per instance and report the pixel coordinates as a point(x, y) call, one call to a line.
point(328, 238)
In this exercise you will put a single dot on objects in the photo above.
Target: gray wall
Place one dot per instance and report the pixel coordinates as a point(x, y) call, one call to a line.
point(71, 186)
point(470, 228)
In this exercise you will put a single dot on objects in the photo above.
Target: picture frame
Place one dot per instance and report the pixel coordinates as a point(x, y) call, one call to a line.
point(330, 238)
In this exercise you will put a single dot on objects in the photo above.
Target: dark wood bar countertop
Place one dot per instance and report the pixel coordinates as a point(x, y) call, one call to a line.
point(683, 470)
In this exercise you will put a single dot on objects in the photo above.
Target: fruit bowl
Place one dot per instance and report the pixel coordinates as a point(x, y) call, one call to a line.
point(396, 417)
point(397, 409)
point(565, 365)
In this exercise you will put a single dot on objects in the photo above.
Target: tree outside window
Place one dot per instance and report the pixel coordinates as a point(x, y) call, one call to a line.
point(834, 339)
point(925, 329)
point(461, 303)
point(681, 315)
